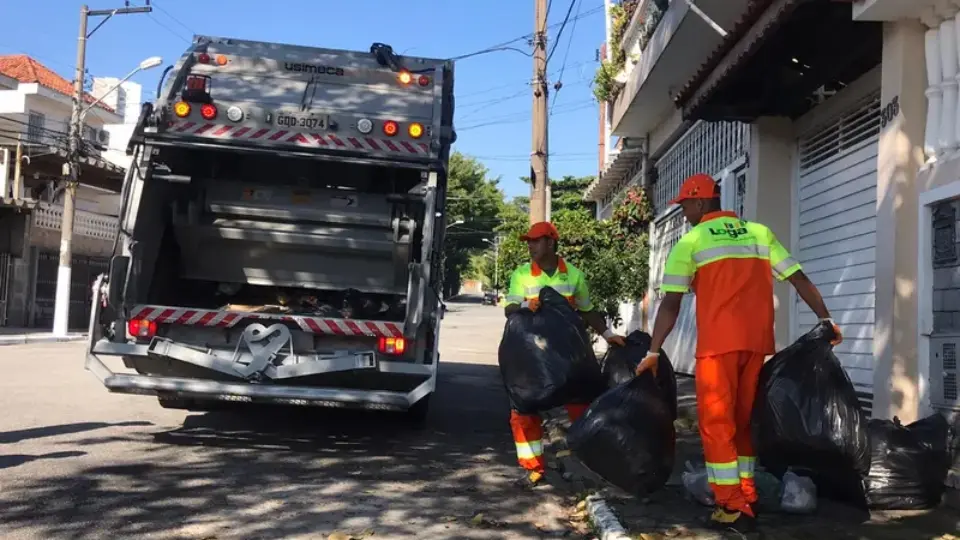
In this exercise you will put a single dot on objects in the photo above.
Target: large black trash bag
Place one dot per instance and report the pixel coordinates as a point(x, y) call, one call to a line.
point(620, 364)
point(807, 416)
point(909, 463)
point(546, 358)
point(627, 435)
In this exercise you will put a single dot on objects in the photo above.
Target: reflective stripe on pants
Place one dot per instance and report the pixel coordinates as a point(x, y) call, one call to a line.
point(726, 387)
point(528, 436)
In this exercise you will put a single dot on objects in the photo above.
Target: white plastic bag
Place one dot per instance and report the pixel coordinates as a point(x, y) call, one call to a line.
point(696, 484)
point(799, 494)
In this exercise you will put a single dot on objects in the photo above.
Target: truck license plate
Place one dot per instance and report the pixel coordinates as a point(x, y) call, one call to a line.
point(303, 121)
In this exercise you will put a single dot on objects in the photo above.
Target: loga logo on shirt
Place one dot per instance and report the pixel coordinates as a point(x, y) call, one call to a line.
point(729, 229)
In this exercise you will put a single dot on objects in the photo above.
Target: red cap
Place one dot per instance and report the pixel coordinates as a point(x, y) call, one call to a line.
point(698, 186)
point(541, 230)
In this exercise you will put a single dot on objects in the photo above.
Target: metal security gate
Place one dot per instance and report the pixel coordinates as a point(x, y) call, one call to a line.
point(84, 271)
point(837, 231)
point(6, 270)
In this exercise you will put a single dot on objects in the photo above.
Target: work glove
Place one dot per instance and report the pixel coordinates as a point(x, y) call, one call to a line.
point(533, 304)
point(614, 339)
point(650, 362)
point(836, 330)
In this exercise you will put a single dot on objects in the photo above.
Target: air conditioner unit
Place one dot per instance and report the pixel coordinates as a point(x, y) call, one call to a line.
point(944, 386)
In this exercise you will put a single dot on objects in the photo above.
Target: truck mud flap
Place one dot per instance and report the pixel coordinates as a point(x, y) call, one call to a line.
point(255, 393)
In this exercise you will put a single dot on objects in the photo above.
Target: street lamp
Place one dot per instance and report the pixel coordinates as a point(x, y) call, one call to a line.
point(149, 63)
point(496, 262)
point(61, 306)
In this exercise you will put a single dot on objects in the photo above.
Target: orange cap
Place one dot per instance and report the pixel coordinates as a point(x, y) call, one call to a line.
point(541, 230)
point(698, 186)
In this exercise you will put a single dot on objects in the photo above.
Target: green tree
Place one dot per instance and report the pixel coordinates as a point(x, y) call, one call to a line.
point(475, 199)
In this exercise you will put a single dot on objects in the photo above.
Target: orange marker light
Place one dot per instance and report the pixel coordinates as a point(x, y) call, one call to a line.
point(221, 60)
point(405, 77)
point(415, 130)
point(390, 128)
point(181, 109)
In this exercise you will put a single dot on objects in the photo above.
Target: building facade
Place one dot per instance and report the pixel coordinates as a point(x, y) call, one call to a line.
point(821, 121)
point(35, 109)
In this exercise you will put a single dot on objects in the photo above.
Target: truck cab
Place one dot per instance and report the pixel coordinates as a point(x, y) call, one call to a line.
point(281, 226)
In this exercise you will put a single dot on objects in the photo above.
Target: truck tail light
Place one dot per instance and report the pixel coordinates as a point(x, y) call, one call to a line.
point(415, 130)
point(392, 345)
point(181, 109)
point(204, 58)
point(142, 328)
point(208, 111)
point(423, 80)
point(405, 78)
point(390, 128)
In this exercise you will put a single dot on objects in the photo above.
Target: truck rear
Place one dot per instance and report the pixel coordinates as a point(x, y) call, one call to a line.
point(281, 231)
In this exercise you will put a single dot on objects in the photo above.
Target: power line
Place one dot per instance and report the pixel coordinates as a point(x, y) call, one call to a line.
point(171, 31)
point(560, 33)
point(524, 117)
point(566, 54)
point(506, 45)
point(176, 20)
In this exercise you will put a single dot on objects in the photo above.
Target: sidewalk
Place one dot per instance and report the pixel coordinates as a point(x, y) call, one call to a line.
point(21, 336)
point(671, 514)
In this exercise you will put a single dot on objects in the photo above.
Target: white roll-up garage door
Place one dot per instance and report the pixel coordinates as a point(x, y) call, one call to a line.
point(837, 225)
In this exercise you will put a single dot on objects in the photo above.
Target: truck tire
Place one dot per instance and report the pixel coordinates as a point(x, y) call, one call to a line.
point(417, 413)
point(174, 403)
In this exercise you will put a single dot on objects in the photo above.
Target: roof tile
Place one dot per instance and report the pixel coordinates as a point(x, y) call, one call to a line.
point(27, 70)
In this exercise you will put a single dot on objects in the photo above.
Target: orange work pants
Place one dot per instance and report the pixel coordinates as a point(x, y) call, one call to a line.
point(528, 436)
point(726, 387)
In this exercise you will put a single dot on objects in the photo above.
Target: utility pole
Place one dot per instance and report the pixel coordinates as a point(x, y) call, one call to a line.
point(71, 169)
point(16, 169)
point(540, 198)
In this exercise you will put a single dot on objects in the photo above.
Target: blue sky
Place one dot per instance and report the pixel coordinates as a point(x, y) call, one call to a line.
point(493, 91)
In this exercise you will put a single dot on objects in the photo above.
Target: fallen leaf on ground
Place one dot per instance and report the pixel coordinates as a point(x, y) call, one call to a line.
point(477, 519)
point(582, 505)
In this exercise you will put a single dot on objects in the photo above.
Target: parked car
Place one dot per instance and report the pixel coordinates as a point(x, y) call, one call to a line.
point(491, 298)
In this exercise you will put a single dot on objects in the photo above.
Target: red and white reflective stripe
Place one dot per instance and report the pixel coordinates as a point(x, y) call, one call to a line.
point(228, 319)
point(314, 140)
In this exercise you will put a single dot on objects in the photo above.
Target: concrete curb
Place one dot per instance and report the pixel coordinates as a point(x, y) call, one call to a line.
point(606, 522)
point(24, 339)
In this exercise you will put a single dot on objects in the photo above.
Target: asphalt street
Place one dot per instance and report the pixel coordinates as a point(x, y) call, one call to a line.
point(79, 462)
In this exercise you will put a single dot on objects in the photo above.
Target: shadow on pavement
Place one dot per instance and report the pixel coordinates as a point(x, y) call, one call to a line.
point(278, 473)
point(8, 437)
point(15, 460)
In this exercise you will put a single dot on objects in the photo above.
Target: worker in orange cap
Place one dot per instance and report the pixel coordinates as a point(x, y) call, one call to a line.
point(547, 269)
point(729, 264)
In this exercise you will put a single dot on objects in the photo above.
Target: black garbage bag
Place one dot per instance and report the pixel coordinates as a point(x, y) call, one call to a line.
point(627, 435)
point(807, 416)
point(620, 363)
point(546, 358)
point(909, 464)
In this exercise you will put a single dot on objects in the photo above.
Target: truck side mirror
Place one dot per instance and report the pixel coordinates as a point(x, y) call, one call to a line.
point(117, 279)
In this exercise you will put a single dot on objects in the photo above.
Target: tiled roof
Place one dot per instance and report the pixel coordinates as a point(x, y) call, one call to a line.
point(746, 20)
point(27, 70)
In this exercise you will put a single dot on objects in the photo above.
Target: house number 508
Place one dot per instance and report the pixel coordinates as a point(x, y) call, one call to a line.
point(890, 112)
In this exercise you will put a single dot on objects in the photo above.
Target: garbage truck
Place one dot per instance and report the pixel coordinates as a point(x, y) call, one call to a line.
point(280, 232)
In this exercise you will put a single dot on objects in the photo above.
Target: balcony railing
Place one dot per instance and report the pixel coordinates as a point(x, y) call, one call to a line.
point(85, 223)
point(643, 23)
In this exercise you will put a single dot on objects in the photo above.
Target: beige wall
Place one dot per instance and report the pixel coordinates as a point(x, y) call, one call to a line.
point(900, 156)
point(769, 199)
